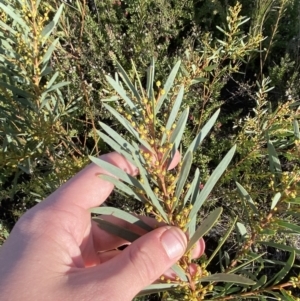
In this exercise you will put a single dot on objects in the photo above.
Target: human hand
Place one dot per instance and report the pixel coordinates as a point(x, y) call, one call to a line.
point(55, 252)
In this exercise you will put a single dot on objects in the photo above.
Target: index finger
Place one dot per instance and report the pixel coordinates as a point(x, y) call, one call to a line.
point(87, 190)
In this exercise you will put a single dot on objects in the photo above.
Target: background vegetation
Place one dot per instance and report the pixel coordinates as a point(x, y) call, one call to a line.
point(54, 56)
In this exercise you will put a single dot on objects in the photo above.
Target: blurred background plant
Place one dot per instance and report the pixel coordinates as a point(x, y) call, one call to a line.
point(54, 58)
point(35, 117)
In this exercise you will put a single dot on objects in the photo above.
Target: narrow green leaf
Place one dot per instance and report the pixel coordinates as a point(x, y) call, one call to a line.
point(122, 93)
point(122, 120)
point(294, 104)
point(48, 54)
point(116, 146)
point(148, 190)
point(128, 82)
point(222, 30)
point(192, 194)
point(47, 70)
point(192, 191)
point(227, 259)
point(17, 18)
point(168, 85)
point(284, 271)
point(276, 295)
point(176, 136)
point(205, 226)
point(294, 201)
point(290, 226)
point(179, 272)
point(192, 226)
point(179, 130)
point(174, 112)
point(242, 229)
point(220, 289)
point(47, 30)
point(260, 283)
point(38, 3)
point(128, 126)
point(239, 267)
point(245, 195)
point(20, 96)
point(185, 170)
point(222, 241)
point(184, 71)
point(268, 232)
point(199, 80)
point(151, 91)
point(223, 277)
point(123, 187)
point(137, 152)
point(275, 164)
point(275, 200)
point(279, 246)
point(17, 91)
point(296, 128)
point(150, 79)
point(116, 230)
point(57, 86)
point(157, 288)
point(112, 98)
point(286, 296)
point(118, 138)
point(244, 21)
point(261, 298)
point(213, 179)
point(7, 28)
point(122, 215)
point(117, 172)
point(138, 78)
point(233, 290)
point(9, 65)
point(211, 67)
point(204, 131)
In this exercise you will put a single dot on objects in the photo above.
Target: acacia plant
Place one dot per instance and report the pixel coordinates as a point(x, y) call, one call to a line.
point(173, 197)
point(34, 115)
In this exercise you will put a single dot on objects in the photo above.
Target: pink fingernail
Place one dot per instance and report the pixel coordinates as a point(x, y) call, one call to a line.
point(174, 242)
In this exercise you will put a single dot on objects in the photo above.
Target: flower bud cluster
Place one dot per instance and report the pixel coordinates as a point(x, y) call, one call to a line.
point(181, 216)
point(288, 184)
point(200, 291)
point(295, 281)
point(30, 46)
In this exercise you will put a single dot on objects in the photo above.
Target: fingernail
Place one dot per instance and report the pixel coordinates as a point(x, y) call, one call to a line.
point(174, 242)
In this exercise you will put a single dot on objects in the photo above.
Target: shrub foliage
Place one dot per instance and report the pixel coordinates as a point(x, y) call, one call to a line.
point(226, 70)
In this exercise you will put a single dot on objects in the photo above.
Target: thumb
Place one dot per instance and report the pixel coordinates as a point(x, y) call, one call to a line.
point(139, 265)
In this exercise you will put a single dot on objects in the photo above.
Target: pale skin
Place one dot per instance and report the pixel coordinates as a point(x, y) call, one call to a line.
point(55, 252)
